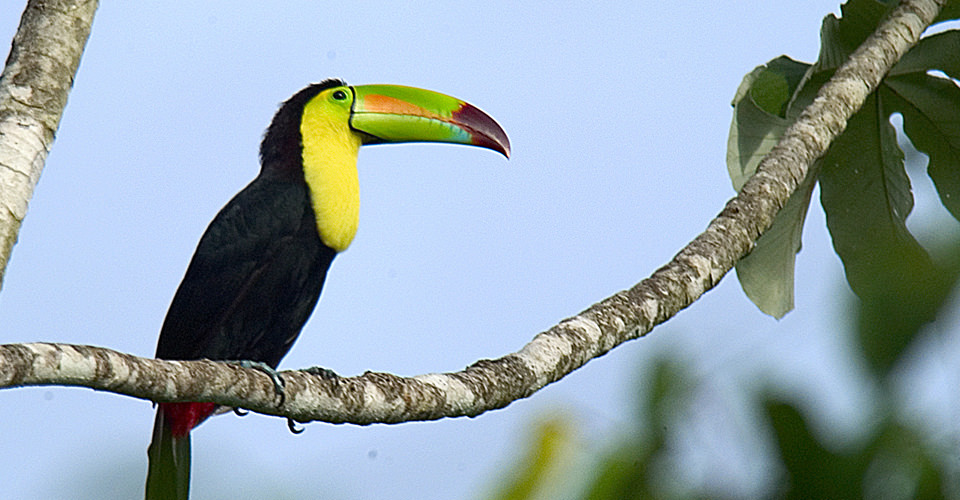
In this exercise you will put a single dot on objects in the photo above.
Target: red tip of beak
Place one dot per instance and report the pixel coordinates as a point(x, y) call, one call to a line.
point(484, 130)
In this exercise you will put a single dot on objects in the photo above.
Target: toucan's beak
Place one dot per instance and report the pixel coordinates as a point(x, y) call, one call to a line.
point(393, 113)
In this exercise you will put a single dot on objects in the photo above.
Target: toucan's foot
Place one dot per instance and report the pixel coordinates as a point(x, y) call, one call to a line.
point(292, 425)
point(265, 368)
point(322, 372)
point(326, 374)
point(241, 412)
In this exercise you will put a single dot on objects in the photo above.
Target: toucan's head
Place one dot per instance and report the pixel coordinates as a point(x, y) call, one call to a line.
point(375, 114)
point(317, 133)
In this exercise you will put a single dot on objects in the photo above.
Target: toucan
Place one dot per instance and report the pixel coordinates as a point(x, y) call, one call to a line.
point(258, 270)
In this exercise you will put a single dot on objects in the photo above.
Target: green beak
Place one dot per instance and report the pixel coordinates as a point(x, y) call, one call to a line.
point(393, 113)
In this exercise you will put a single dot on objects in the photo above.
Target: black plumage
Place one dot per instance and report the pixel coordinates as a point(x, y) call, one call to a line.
point(258, 270)
point(253, 281)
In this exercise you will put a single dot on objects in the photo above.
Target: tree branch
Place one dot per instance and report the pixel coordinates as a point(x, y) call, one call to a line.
point(491, 384)
point(37, 77)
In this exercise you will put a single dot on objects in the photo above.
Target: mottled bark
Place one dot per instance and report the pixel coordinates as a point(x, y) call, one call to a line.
point(36, 79)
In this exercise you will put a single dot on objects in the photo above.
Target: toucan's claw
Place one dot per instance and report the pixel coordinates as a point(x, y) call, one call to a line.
point(265, 368)
point(324, 373)
point(241, 412)
point(292, 425)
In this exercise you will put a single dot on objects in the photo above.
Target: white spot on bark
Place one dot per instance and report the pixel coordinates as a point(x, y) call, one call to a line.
point(457, 393)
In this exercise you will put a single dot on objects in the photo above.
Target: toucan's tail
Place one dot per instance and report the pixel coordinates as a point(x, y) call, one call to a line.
point(168, 477)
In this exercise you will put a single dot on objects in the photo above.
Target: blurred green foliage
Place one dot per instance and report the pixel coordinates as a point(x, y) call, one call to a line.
point(893, 460)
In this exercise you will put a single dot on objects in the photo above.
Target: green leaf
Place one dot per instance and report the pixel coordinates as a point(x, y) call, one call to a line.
point(754, 129)
point(545, 465)
point(933, 52)
point(930, 106)
point(840, 37)
point(627, 472)
point(753, 132)
point(865, 193)
point(867, 197)
point(893, 463)
point(775, 83)
point(949, 12)
point(622, 475)
point(768, 100)
point(901, 466)
point(897, 307)
point(767, 274)
point(812, 470)
point(900, 288)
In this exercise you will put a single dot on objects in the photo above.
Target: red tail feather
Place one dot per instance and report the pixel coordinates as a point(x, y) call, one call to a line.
point(183, 417)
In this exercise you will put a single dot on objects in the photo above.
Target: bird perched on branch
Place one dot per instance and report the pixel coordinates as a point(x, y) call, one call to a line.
point(258, 270)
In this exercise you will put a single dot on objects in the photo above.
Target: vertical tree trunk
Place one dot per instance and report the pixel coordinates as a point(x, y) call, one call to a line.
point(36, 79)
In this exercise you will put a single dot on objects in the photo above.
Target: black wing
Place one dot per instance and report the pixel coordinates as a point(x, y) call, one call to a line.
point(253, 281)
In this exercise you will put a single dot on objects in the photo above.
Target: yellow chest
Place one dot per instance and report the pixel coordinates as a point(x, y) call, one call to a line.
point(330, 169)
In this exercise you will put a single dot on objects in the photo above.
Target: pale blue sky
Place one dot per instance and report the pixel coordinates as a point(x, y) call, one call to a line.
point(618, 115)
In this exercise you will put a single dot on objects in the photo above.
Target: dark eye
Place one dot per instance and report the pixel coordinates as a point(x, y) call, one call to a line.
point(339, 95)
